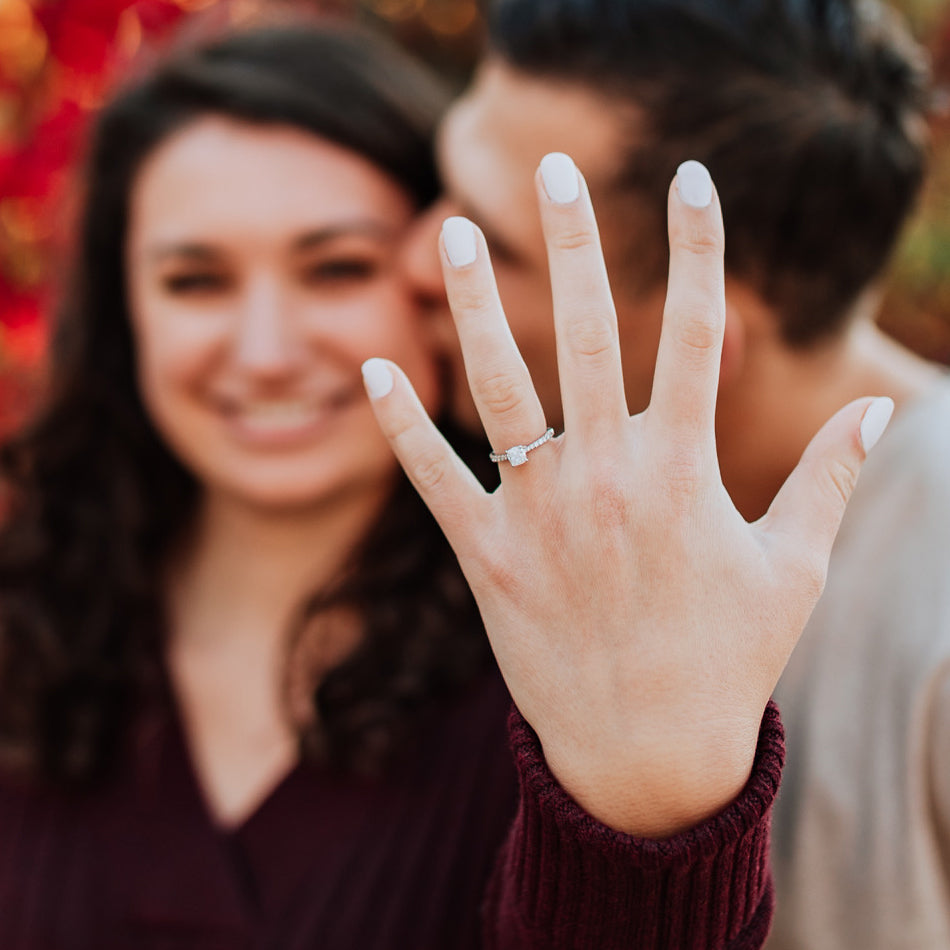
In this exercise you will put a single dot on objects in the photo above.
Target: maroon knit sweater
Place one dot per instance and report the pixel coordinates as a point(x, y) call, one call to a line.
point(445, 852)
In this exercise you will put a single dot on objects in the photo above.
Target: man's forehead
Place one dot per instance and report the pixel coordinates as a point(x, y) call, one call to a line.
point(496, 134)
point(533, 115)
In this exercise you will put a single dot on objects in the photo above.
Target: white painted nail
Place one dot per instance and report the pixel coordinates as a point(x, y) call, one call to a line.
point(377, 377)
point(559, 174)
point(694, 184)
point(458, 235)
point(876, 418)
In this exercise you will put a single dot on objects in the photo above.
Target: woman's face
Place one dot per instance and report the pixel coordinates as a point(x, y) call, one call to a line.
point(262, 272)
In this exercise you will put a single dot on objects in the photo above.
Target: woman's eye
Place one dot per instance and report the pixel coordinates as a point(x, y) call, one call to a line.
point(193, 283)
point(342, 270)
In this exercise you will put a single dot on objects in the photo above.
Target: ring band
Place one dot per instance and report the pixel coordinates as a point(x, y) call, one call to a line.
point(518, 454)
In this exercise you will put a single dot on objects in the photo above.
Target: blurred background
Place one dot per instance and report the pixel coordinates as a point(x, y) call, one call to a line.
point(59, 58)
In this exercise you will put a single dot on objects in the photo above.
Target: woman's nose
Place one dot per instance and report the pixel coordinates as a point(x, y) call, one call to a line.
point(267, 342)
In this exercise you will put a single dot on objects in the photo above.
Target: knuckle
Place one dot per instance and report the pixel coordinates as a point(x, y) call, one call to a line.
point(498, 393)
point(837, 480)
point(698, 341)
point(397, 425)
point(591, 336)
point(573, 237)
point(470, 299)
point(499, 575)
point(683, 473)
point(700, 241)
point(429, 472)
point(612, 507)
point(812, 575)
point(700, 331)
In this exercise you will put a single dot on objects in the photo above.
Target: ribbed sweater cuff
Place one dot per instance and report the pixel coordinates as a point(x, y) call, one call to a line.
point(583, 884)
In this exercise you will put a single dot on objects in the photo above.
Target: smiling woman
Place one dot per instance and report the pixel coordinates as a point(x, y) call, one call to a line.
point(256, 298)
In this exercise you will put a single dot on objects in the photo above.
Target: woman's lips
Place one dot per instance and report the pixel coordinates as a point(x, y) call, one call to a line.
point(285, 422)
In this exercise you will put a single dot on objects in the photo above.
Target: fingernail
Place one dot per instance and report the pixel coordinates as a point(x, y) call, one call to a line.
point(694, 184)
point(458, 235)
point(559, 174)
point(377, 377)
point(876, 418)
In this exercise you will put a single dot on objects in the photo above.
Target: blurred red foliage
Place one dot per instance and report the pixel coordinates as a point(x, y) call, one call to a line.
point(57, 61)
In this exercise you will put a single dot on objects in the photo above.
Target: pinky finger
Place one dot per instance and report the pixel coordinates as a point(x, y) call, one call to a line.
point(810, 505)
point(447, 486)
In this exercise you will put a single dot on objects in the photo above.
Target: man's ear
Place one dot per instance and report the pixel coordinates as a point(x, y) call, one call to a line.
point(733, 345)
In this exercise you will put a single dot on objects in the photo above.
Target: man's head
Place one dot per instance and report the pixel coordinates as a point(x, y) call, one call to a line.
point(808, 114)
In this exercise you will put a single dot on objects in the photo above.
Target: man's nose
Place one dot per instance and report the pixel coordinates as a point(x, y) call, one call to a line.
point(267, 344)
point(420, 254)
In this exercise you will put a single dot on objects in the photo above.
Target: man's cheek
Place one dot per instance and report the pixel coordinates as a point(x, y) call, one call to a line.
point(441, 336)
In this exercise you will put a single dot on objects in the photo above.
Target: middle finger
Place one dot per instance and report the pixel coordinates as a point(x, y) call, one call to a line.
point(585, 320)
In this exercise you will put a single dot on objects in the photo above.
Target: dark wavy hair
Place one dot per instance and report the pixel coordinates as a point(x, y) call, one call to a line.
point(95, 500)
point(810, 114)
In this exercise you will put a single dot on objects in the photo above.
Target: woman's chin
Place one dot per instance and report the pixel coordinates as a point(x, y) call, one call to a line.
point(289, 489)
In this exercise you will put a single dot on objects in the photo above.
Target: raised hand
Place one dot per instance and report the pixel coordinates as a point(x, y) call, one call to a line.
point(640, 622)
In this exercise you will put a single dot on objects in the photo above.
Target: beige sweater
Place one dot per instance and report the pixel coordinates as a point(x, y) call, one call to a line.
point(862, 825)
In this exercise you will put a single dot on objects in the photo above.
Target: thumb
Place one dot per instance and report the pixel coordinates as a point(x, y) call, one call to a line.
point(807, 512)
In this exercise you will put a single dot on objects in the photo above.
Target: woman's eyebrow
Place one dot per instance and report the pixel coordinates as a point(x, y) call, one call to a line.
point(314, 237)
point(191, 251)
point(322, 235)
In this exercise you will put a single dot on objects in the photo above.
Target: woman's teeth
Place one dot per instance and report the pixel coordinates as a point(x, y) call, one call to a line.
point(279, 415)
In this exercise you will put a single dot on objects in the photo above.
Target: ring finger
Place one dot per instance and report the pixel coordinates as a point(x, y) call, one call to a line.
point(499, 380)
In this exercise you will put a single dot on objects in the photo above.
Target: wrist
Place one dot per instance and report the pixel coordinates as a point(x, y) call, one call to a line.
point(660, 786)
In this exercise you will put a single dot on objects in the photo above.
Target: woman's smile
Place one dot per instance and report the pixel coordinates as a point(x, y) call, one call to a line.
point(288, 421)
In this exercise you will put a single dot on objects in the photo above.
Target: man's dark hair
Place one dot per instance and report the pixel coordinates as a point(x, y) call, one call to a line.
point(808, 113)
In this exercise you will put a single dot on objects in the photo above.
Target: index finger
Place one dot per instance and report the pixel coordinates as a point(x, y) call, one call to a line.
point(687, 367)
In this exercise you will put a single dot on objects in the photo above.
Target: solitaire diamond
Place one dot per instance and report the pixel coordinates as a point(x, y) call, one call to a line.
point(518, 454)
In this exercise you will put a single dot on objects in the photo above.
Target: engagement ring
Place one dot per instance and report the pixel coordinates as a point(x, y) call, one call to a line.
point(518, 454)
